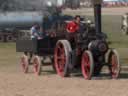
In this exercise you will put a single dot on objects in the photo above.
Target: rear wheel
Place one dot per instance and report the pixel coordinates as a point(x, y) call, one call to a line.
point(37, 65)
point(87, 65)
point(24, 63)
point(61, 57)
point(113, 60)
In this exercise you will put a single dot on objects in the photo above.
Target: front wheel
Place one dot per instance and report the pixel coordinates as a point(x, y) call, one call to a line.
point(87, 65)
point(114, 63)
point(24, 63)
point(37, 65)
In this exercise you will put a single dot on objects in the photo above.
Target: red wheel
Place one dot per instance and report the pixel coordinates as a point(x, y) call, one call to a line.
point(87, 65)
point(37, 65)
point(24, 63)
point(61, 57)
point(114, 62)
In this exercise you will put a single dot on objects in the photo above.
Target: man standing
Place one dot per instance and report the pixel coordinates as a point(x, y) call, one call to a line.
point(35, 32)
point(73, 28)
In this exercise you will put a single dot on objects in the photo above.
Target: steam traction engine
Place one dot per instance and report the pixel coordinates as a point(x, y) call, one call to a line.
point(35, 52)
point(90, 52)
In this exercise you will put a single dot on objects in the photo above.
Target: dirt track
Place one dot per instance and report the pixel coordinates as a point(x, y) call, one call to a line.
point(18, 84)
point(14, 83)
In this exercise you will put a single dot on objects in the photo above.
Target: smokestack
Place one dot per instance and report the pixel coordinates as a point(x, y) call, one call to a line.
point(97, 14)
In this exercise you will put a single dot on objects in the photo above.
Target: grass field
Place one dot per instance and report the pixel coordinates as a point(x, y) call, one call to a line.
point(112, 27)
point(8, 57)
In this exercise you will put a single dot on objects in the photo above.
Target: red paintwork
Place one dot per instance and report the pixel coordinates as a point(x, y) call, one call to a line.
point(72, 27)
point(85, 66)
point(60, 59)
point(36, 66)
point(114, 66)
point(24, 64)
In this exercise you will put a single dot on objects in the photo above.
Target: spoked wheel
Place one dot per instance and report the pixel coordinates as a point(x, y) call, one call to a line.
point(87, 65)
point(113, 60)
point(24, 63)
point(37, 65)
point(61, 57)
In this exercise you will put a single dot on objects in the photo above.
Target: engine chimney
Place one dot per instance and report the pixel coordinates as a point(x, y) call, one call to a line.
point(97, 14)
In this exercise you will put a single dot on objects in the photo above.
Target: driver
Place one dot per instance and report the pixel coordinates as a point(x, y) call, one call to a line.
point(73, 28)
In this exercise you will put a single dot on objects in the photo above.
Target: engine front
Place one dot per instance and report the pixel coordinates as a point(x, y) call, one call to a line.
point(98, 47)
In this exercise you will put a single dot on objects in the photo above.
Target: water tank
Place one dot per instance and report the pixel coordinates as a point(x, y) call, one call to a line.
point(20, 20)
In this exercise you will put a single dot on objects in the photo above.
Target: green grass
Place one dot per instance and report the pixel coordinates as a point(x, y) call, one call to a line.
point(8, 55)
point(7, 45)
point(111, 25)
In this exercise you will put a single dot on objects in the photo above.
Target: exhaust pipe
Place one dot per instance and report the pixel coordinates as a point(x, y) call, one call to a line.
point(97, 14)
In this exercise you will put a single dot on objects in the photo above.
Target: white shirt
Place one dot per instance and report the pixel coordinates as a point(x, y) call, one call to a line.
point(34, 33)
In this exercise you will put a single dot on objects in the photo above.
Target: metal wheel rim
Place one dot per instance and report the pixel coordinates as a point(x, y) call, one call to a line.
point(60, 59)
point(36, 65)
point(86, 66)
point(114, 65)
point(24, 63)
